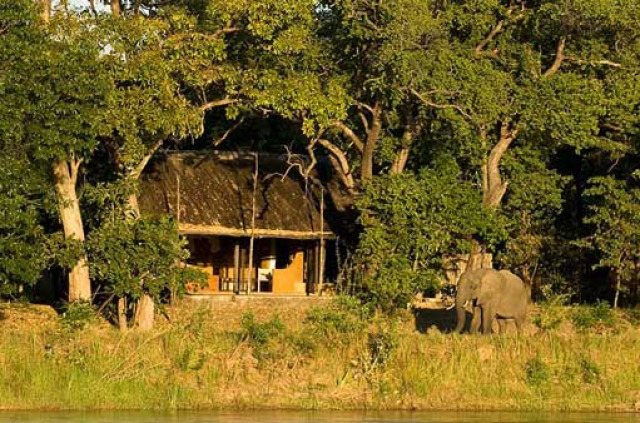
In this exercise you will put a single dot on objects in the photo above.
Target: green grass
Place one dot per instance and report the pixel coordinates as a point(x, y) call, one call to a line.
point(195, 362)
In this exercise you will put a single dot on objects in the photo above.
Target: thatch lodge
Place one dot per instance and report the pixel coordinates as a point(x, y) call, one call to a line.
point(224, 202)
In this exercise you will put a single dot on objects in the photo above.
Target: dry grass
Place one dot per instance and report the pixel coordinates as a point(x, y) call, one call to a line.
point(205, 358)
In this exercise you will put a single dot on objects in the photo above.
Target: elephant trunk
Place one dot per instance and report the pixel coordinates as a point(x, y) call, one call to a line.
point(461, 315)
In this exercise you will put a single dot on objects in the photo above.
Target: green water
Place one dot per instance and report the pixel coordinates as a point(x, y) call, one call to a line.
point(313, 417)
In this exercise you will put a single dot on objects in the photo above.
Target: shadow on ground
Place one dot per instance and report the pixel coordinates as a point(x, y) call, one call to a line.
point(442, 319)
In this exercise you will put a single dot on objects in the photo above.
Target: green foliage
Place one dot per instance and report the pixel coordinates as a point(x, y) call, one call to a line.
point(410, 222)
point(599, 316)
point(343, 315)
point(614, 207)
point(77, 315)
point(23, 252)
point(548, 92)
point(260, 336)
point(382, 345)
point(551, 313)
point(590, 371)
point(141, 256)
point(537, 372)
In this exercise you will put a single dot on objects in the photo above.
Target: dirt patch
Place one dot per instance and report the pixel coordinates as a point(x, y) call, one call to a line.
point(19, 316)
point(227, 314)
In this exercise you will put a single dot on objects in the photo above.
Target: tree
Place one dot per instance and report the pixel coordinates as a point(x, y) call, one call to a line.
point(22, 236)
point(614, 207)
point(411, 221)
point(55, 88)
point(536, 74)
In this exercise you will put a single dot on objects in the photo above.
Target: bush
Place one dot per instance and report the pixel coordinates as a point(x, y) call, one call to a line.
point(633, 315)
point(590, 371)
point(551, 313)
point(344, 315)
point(76, 316)
point(259, 335)
point(409, 222)
point(381, 346)
point(598, 316)
point(537, 372)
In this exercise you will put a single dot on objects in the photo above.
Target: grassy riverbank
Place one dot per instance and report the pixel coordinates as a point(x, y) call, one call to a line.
point(329, 355)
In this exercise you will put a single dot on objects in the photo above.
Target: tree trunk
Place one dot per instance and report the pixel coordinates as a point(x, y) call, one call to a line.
point(115, 8)
point(65, 177)
point(45, 11)
point(618, 286)
point(145, 313)
point(373, 135)
point(402, 156)
point(492, 186)
point(122, 314)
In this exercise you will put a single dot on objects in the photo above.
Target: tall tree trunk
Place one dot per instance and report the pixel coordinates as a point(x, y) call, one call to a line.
point(411, 131)
point(115, 8)
point(45, 10)
point(65, 176)
point(122, 314)
point(145, 307)
point(493, 188)
point(373, 135)
point(145, 313)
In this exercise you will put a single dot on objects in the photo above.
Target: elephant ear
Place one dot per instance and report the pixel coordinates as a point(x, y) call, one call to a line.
point(488, 289)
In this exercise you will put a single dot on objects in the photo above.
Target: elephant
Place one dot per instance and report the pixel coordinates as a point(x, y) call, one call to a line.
point(492, 294)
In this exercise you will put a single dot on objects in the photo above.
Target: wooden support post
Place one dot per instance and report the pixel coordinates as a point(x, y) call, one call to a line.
point(236, 266)
point(316, 266)
point(322, 244)
point(253, 222)
point(178, 199)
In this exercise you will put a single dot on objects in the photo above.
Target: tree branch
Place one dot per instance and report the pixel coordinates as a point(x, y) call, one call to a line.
point(480, 47)
point(442, 106)
point(224, 136)
point(366, 107)
point(218, 103)
point(494, 187)
point(74, 166)
point(226, 30)
point(348, 132)
point(342, 162)
point(557, 63)
point(593, 62)
point(364, 120)
point(137, 171)
point(493, 33)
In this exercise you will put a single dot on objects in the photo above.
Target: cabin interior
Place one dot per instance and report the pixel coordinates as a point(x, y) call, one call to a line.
point(279, 266)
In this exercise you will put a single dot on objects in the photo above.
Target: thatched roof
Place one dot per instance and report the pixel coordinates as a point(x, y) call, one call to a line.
point(215, 195)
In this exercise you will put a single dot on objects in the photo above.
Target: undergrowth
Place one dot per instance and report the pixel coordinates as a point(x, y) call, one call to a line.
point(340, 355)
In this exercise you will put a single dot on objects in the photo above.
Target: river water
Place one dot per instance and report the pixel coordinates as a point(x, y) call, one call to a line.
point(312, 417)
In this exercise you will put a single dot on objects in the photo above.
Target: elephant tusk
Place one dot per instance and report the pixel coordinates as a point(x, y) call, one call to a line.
point(465, 304)
point(451, 306)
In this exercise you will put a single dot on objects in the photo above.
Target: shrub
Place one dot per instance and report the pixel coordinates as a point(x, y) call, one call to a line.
point(409, 222)
point(593, 317)
point(537, 372)
point(344, 315)
point(590, 371)
point(259, 335)
point(76, 316)
point(551, 313)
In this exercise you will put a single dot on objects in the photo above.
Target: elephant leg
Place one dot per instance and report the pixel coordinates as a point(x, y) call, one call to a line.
point(503, 324)
point(487, 320)
point(519, 323)
point(476, 320)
